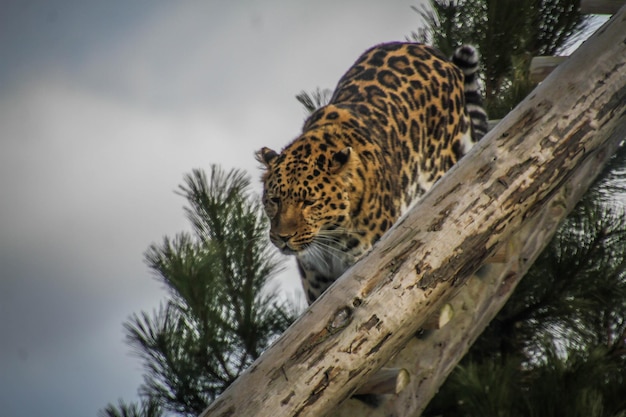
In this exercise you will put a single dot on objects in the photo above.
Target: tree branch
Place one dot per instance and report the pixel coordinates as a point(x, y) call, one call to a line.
point(551, 145)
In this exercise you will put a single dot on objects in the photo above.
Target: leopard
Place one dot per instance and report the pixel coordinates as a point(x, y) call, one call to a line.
point(397, 121)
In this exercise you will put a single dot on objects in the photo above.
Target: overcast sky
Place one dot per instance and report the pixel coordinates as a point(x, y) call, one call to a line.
point(104, 106)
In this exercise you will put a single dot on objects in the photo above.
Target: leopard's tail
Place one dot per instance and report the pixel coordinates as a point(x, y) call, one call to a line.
point(466, 58)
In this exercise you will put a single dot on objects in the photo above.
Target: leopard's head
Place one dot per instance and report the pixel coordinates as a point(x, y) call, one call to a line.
point(309, 194)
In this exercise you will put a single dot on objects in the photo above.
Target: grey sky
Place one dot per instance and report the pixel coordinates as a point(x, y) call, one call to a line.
point(103, 107)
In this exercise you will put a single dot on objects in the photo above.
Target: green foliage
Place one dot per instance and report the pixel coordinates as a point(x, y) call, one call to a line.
point(585, 384)
point(508, 34)
point(314, 100)
point(220, 314)
point(148, 408)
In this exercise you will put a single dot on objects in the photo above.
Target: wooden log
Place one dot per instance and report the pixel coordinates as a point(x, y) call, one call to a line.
point(431, 356)
point(386, 381)
point(542, 66)
point(492, 123)
point(600, 6)
point(375, 309)
point(439, 319)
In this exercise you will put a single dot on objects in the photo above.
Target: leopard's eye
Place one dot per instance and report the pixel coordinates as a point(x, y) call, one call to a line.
point(308, 203)
point(275, 200)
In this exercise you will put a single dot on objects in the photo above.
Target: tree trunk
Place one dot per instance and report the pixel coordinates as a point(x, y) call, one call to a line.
point(523, 177)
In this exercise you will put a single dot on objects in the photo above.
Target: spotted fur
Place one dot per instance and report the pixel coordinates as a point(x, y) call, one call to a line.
point(400, 117)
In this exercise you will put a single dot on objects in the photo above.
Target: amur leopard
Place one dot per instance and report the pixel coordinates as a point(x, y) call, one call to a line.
point(400, 117)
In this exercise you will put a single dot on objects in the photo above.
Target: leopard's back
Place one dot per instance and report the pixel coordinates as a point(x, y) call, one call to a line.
point(414, 102)
point(400, 117)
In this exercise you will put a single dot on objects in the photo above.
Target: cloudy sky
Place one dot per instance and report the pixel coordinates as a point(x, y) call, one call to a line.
point(104, 106)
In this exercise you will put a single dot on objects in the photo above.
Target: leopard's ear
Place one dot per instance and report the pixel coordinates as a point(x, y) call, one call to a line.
point(340, 160)
point(265, 156)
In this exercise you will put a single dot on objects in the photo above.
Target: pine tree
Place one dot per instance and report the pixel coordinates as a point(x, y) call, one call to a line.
point(508, 33)
point(315, 100)
point(148, 408)
point(220, 314)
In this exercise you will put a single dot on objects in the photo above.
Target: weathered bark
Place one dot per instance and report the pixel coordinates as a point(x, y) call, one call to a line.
point(375, 309)
point(430, 356)
point(600, 6)
point(542, 66)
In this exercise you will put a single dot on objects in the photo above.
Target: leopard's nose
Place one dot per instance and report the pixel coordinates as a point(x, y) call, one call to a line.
point(285, 237)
